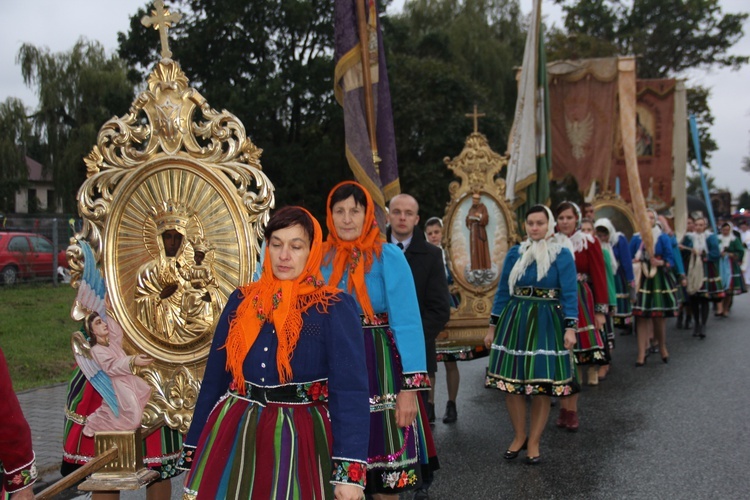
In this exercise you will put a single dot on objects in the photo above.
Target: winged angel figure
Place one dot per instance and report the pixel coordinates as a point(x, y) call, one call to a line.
point(579, 134)
point(102, 359)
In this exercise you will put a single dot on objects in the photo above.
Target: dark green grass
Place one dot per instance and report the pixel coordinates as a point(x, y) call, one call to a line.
point(35, 328)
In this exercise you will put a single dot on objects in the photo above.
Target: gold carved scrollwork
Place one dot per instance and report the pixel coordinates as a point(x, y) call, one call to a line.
point(173, 207)
point(477, 216)
point(613, 207)
point(179, 391)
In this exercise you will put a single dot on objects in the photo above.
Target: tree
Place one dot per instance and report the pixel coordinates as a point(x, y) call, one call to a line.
point(668, 36)
point(744, 200)
point(444, 57)
point(271, 64)
point(15, 132)
point(78, 91)
point(695, 187)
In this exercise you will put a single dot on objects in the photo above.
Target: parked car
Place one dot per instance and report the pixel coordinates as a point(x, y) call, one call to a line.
point(28, 256)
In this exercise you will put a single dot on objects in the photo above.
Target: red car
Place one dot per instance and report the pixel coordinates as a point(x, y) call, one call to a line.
point(27, 255)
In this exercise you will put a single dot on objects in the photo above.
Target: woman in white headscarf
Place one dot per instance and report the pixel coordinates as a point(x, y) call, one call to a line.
point(732, 253)
point(704, 281)
point(532, 329)
point(656, 299)
point(593, 303)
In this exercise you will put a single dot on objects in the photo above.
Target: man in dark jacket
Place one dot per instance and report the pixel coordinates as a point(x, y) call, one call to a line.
point(426, 262)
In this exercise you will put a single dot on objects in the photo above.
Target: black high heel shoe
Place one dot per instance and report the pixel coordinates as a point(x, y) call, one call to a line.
point(534, 460)
point(638, 365)
point(510, 454)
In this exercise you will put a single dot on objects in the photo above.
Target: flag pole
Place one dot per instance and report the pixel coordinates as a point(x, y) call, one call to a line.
point(364, 47)
point(704, 185)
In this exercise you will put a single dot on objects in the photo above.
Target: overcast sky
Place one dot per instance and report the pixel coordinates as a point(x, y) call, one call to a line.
point(57, 24)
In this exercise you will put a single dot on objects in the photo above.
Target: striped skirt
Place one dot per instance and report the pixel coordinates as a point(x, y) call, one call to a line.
point(656, 295)
point(623, 315)
point(712, 287)
point(527, 354)
point(161, 450)
point(281, 451)
point(398, 457)
point(736, 286)
point(589, 348)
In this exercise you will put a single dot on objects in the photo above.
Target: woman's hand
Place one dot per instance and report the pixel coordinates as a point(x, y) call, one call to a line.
point(348, 492)
point(656, 262)
point(142, 360)
point(489, 337)
point(569, 340)
point(600, 320)
point(406, 408)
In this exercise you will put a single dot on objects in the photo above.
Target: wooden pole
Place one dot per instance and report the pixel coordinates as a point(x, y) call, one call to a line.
point(364, 47)
point(92, 466)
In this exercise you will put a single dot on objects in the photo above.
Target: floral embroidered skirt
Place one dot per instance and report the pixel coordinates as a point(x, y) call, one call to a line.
point(448, 353)
point(398, 457)
point(589, 348)
point(279, 451)
point(656, 295)
point(160, 450)
point(527, 355)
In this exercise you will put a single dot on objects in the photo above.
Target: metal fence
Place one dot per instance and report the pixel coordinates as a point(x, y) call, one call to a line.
point(16, 265)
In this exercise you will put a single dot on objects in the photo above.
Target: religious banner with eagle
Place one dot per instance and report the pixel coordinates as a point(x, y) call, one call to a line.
point(583, 115)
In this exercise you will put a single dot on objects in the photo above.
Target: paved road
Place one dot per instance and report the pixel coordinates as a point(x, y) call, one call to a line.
point(675, 431)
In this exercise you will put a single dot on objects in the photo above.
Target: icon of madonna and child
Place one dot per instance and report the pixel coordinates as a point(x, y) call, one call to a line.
point(177, 295)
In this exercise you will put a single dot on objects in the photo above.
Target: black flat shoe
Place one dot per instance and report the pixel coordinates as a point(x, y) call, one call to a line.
point(665, 359)
point(534, 460)
point(510, 455)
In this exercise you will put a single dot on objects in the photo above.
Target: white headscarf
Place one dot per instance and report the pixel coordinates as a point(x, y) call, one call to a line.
point(543, 251)
point(607, 247)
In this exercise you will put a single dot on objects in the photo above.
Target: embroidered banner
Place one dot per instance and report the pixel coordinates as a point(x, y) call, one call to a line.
point(655, 105)
point(582, 108)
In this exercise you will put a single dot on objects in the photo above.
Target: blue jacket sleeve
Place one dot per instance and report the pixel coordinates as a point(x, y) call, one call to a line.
point(678, 264)
point(502, 295)
point(663, 248)
point(216, 378)
point(635, 244)
point(626, 258)
point(566, 270)
point(348, 389)
point(403, 310)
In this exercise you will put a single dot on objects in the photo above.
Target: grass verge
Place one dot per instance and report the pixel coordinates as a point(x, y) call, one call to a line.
point(35, 328)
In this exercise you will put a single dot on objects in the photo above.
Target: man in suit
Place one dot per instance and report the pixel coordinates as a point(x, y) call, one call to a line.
point(426, 262)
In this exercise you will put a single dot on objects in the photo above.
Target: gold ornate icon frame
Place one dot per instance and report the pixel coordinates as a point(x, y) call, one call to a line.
point(478, 170)
point(171, 163)
point(615, 208)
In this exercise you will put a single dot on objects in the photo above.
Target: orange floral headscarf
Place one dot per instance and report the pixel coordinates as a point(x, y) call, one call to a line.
point(281, 302)
point(354, 256)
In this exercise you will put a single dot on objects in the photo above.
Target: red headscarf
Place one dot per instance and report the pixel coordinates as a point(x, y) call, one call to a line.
point(355, 256)
point(282, 303)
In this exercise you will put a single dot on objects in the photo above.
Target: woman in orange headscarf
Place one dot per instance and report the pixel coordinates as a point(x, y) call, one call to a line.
point(283, 411)
point(358, 260)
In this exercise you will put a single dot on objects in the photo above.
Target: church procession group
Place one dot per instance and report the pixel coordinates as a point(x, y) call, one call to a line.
point(316, 376)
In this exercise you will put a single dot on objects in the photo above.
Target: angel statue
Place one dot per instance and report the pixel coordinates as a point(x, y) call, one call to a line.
point(111, 371)
point(103, 393)
point(160, 285)
point(201, 301)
